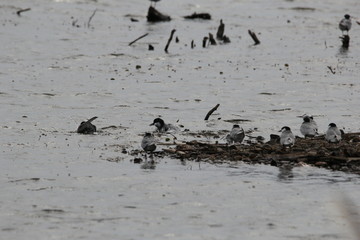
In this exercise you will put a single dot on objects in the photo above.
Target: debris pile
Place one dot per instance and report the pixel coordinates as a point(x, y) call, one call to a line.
point(343, 156)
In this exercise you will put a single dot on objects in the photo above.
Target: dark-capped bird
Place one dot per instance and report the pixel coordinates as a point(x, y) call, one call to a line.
point(236, 135)
point(87, 127)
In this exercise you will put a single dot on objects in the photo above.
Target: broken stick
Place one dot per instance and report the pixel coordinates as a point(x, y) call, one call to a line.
point(254, 37)
point(211, 111)
point(142, 36)
point(331, 70)
point(22, 10)
point(170, 38)
point(91, 17)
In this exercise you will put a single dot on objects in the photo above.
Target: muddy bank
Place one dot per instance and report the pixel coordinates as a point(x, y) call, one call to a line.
point(343, 156)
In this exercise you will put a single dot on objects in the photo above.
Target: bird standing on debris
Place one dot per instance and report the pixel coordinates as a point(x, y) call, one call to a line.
point(345, 24)
point(87, 127)
point(148, 142)
point(309, 127)
point(287, 138)
point(154, 1)
point(236, 135)
point(333, 134)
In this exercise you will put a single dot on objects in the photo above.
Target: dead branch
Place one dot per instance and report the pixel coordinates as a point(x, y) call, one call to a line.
point(142, 36)
point(91, 17)
point(22, 10)
point(254, 37)
point(331, 70)
point(170, 38)
point(211, 111)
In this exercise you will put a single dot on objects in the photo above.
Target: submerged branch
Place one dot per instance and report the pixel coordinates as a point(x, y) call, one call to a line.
point(91, 17)
point(170, 38)
point(142, 36)
point(254, 37)
point(211, 111)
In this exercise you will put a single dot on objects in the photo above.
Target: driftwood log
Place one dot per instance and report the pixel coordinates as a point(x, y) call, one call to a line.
point(142, 36)
point(169, 40)
point(254, 37)
point(156, 16)
point(343, 156)
point(205, 16)
point(211, 112)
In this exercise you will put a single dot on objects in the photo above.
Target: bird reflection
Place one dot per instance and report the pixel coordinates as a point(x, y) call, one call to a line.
point(343, 51)
point(285, 173)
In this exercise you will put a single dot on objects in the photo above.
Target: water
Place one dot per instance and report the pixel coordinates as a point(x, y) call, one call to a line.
point(60, 185)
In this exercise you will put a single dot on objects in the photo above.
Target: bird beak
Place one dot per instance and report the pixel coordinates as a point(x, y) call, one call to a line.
point(151, 124)
point(280, 130)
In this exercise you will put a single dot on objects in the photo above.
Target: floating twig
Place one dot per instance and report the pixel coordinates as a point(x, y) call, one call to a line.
point(211, 111)
point(254, 37)
point(170, 38)
point(331, 70)
point(192, 44)
point(22, 10)
point(142, 36)
point(91, 17)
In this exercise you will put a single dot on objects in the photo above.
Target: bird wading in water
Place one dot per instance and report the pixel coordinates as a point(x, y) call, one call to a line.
point(345, 24)
point(87, 127)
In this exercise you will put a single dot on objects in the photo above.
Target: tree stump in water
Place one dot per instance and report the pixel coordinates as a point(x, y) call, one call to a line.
point(156, 16)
